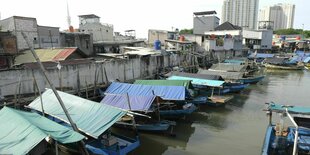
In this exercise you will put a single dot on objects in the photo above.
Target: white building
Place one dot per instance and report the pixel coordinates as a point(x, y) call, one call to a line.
point(205, 21)
point(91, 24)
point(240, 12)
point(257, 39)
point(282, 15)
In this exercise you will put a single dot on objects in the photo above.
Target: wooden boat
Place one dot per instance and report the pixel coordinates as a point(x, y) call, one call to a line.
point(284, 67)
point(186, 109)
point(283, 139)
point(251, 79)
point(216, 100)
point(97, 119)
point(112, 144)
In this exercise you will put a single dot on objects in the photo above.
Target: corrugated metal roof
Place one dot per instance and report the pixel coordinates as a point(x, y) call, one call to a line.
point(64, 54)
point(44, 55)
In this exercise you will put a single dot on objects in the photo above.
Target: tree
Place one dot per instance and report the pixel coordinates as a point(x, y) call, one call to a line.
point(291, 31)
point(186, 31)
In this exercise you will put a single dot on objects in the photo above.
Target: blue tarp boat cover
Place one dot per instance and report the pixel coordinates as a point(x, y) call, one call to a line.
point(307, 60)
point(137, 103)
point(261, 55)
point(233, 61)
point(22, 131)
point(90, 117)
point(164, 92)
point(291, 109)
point(196, 81)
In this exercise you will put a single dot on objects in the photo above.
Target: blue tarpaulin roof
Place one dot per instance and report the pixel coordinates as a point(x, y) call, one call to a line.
point(306, 60)
point(137, 103)
point(291, 109)
point(22, 131)
point(196, 81)
point(261, 55)
point(165, 92)
point(234, 61)
point(90, 117)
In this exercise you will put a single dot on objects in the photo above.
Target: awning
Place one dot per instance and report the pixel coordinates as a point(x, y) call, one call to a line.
point(261, 55)
point(90, 117)
point(137, 103)
point(22, 131)
point(228, 67)
point(306, 60)
point(185, 83)
point(196, 81)
point(291, 109)
point(199, 76)
point(224, 75)
point(165, 92)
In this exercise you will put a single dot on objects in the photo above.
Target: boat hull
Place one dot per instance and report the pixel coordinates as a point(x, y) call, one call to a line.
point(295, 67)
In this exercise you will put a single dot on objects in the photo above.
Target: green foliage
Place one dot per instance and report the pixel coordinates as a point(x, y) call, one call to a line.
point(186, 31)
point(291, 31)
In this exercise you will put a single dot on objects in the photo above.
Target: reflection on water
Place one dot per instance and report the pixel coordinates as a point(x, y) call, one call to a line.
point(239, 127)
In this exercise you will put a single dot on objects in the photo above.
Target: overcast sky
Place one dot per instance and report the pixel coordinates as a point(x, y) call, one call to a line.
point(139, 15)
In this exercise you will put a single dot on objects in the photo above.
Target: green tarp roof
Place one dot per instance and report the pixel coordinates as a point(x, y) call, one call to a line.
point(185, 83)
point(90, 117)
point(211, 83)
point(22, 131)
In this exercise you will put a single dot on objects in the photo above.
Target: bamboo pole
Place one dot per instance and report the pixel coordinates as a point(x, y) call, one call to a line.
point(133, 117)
point(105, 74)
point(39, 91)
point(78, 82)
point(95, 81)
point(16, 89)
point(55, 91)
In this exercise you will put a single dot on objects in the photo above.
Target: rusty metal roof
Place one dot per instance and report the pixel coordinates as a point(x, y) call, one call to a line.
point(44, 55)
point(64, 54)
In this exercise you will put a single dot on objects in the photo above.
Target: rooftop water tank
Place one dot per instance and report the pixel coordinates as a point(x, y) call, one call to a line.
point(157, 45)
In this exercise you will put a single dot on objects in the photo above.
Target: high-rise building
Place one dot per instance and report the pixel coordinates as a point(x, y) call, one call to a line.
point(282, 15)
point(240, 12)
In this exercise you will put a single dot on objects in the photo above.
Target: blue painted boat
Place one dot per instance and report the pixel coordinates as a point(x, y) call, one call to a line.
point(283, 139)
point(122, 145)
point(251, 80)
point(159, 126)
point(234, 87)
point(187, 109)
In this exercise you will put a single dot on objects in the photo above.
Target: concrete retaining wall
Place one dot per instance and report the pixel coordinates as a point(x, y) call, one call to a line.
point(78, 75)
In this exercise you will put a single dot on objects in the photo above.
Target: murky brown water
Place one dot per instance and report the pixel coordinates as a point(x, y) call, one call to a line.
point(238, 128)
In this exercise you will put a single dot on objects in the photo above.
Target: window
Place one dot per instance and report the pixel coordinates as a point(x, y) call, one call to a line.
point(35, 40)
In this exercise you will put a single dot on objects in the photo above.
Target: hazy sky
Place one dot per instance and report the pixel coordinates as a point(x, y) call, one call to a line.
point(139, 15)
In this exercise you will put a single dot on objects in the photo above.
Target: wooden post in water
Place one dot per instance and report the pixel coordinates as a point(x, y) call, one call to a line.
point(73, 125)
point(157, 102)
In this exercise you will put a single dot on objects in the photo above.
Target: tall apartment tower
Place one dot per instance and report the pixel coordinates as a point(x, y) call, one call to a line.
point(282, 15)
point(243, 13)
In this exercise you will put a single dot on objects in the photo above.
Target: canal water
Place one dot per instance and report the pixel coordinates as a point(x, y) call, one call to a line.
point(236, 129)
